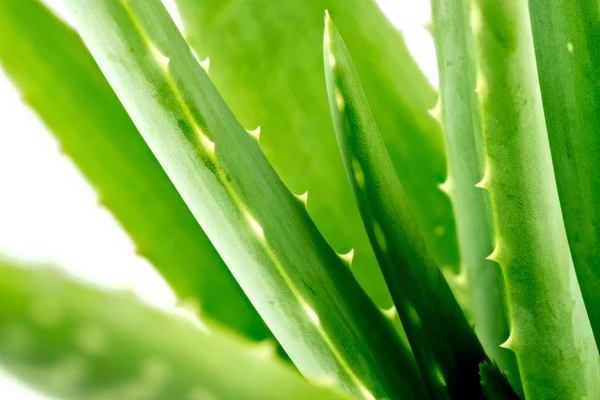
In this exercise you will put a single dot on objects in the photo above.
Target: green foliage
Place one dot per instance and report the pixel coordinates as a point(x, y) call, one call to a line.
point(79, 342)
point(567, 40)
point(459, 111)
point(306, 294)
point(54, 72)
point(518, 112)
point(445, 346)
point(269, 69)
point(549, 321)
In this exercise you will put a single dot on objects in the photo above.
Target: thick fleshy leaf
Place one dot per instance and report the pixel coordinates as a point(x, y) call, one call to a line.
point(445, 347)
point(567, 45)
point(78, 342)
point(266, 60)
point(59, 79)
point(299, 285)
point(460, 115)
point(550, 331)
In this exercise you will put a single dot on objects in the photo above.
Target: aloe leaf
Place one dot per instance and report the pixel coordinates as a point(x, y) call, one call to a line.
point(265, 59)
point(59, 79)
point(550, 332)
point(494, 383)
point(566, 34)
point(303, 290)
point(74, 341)
point(444, 345)
point(460, 115)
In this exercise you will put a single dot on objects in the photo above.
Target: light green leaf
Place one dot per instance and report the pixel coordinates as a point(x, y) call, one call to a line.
point(78, 342)
point(550, 331)
point(265, 59)
point(460, 115)
point(567, 40)
point(59, 79)
point(302, 289)
point(444, 345)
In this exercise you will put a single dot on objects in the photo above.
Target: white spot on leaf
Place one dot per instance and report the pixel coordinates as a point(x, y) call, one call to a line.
point(379, 236)
point(339, 99)
point(359, 176)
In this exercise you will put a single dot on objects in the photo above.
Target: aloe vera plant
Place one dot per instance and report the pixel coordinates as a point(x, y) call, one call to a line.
point(472, 225)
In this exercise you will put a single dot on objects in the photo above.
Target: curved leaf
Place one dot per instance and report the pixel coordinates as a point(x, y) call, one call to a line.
point(550, 332)
point(567, 46)
point(302, 289)
point(266, 60)
point(59, 79)
point(78, 342)
point(460, 116)
point(445, 346)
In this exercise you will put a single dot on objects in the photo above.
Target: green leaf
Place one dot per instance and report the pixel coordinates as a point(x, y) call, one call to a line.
point(77, 342)
point(58, 78)
point(494, 383)
point(567, 35)
point(444, 345)
point(265, 59)
point(550, 331)
point(299, 285)
point(460, 115)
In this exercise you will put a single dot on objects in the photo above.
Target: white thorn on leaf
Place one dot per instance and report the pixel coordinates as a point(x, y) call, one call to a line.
point(390, 313)
point(495, 254)
point(205, 64)
point(446, 187)
point(312, 315)
point(255, 133)
point(208, 144)
point(509, 343)
point(160, 58)
point(302, 197)
point(256, 227)
point(436, 112)
point(483, 183)
point(348, 257)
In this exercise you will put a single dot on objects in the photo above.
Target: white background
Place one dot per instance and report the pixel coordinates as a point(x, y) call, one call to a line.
point(49, 213)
